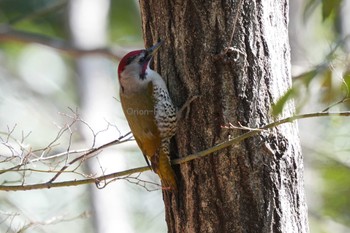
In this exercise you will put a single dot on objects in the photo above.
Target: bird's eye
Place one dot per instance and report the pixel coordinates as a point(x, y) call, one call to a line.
point(142, 59)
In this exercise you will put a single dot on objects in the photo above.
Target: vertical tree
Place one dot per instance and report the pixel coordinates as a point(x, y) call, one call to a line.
point(235, 56)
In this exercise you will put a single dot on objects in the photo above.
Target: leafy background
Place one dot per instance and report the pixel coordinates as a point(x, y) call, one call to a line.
point(38, 83)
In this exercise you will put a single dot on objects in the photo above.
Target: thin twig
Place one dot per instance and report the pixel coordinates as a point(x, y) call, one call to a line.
point(188, 158)
point(343, 100)
point(239, 10)
point(91, 152)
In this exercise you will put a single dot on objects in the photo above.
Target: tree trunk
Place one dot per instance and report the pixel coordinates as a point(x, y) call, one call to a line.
point(256, 186)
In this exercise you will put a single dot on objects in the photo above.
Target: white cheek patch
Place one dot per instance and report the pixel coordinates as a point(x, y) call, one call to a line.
point(130, 80)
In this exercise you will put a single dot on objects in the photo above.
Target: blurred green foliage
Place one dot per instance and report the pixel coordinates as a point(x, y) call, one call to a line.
point(125, 22)
point(331, 73)
point(44, 16)
point(329, 8)
point(336, 193)
point(49, 17)
point(325, 86)
point(331, 76)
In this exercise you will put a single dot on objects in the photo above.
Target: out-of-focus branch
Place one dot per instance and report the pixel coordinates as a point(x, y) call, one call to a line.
point(40, 12)
point(10, 34)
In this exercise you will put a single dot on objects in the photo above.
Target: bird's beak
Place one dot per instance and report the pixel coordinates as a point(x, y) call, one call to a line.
point(152, 50)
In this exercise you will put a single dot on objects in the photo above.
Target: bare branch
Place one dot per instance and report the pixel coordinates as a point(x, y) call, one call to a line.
point(54, 220)
point(254, 132)
point(106, 179)
point(91, 152)
point(27, 157)
point(8, 33)
point(143, 183)
point(41, 11)
point(74, 182)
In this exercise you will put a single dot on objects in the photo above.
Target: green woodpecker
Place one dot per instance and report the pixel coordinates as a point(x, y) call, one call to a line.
point(149, 110)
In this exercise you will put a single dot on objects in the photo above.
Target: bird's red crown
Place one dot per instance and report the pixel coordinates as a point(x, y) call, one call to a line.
point(127, 59)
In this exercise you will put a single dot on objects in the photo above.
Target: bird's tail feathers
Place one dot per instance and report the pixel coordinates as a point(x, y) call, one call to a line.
point(164, 170)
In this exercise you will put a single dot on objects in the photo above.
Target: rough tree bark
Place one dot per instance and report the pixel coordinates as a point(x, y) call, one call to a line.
point(256, 186)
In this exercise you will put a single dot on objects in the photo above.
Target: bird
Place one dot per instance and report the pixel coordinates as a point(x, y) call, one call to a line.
point(149, 110)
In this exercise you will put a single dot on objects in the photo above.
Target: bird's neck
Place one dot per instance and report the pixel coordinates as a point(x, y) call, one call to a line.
point(132, 84)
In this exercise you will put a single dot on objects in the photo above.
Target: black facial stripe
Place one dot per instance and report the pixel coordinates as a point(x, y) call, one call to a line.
point(142, 59)
point(143, 75)
point(129, 60)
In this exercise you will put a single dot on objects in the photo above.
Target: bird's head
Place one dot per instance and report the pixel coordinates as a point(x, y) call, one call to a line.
point(135, 63)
